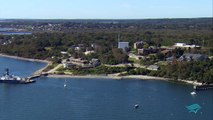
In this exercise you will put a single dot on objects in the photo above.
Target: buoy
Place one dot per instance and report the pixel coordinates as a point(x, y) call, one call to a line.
point(136, 106)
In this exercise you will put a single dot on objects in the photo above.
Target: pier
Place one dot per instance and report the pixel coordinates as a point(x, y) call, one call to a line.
point(33, 77)
point(203, 87)
point(30, 79)
point(37, 76)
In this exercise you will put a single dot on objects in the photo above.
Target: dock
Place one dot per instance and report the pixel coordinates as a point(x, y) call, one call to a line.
point(8, 78)
point(30, 79)
point(203, 87)
point(33, 77)
point(36, 76)
point(27, 81)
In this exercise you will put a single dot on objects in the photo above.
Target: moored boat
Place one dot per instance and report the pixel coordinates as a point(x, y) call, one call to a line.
point(193, 93)
point(12, 79)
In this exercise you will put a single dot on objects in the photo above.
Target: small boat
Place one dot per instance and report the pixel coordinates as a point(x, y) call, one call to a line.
point(193, 93)
point(65, 85)
point(136, 106)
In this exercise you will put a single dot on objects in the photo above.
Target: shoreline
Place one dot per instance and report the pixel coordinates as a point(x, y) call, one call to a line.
point(26, 59)
point(29, 59)
point(141, 77)
point(83, 76)
point(110, 76)
point(138, 77)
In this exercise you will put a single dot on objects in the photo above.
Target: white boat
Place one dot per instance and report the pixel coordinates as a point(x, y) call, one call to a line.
point(136, 106)
point(65, 85)
point(193, 93)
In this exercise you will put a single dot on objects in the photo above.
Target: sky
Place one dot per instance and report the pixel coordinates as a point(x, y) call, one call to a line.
point(107, 9)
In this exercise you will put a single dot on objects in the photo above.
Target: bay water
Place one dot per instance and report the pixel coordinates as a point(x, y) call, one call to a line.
point(97, 99)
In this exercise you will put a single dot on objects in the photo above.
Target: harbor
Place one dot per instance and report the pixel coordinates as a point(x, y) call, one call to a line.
point(116, 98)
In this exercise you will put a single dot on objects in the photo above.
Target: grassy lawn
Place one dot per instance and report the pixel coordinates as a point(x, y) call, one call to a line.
point(134, 60)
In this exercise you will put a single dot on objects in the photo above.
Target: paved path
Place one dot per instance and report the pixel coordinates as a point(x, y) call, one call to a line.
point(55, 68)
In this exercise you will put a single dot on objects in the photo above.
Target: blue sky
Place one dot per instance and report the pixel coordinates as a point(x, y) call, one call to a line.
point(108, 9)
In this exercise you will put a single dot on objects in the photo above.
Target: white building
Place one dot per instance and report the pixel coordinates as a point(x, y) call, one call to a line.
point(64, 53)
point(180, 44)
point(68, 65)
point(123, 45)
point(184, 45)
point(89, 52)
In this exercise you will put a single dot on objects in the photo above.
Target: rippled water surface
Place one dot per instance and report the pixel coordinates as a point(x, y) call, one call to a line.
point(97, 99)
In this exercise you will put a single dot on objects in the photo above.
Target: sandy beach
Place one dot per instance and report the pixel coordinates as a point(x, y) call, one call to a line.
point(142, 77)
point(138, 77)
point(83, 76)
point(21, 58)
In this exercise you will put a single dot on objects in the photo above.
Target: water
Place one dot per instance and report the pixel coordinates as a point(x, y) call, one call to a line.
point(15, 33)
point(11, 31)
point(98, 99)
point(6, 29)
point(20, 68)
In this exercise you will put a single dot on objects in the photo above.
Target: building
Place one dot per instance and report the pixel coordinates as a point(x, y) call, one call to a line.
point(68, 65)
point(89, 52)
point(139, 45)
point(184, 45)
point(64, 53)
point(95, 62)
point(193, 57)
point(147, 51)
point(180, 44)
point(166, 53)
point(79, 62)
point(134, 56)
point(95, 46)
point(153, 67)
point(123, 45)
point(144, 51)
point(79, 47)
